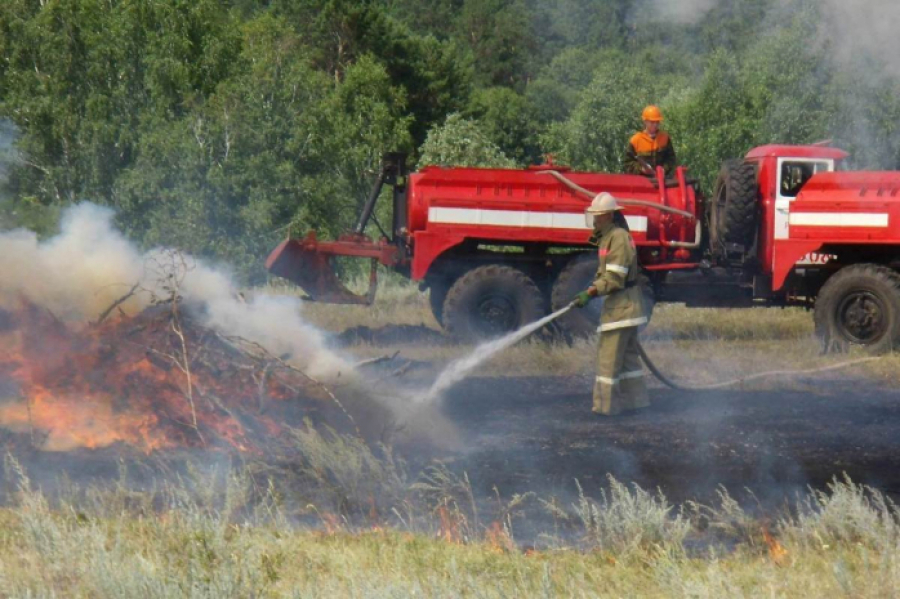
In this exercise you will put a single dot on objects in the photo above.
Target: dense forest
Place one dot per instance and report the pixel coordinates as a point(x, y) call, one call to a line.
point(217, 126)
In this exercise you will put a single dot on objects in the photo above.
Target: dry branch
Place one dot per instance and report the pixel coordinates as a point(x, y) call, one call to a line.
point(232, 339)
point(118, 303)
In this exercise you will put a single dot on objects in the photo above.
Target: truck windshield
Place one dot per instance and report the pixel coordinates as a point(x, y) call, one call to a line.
point(795, 174)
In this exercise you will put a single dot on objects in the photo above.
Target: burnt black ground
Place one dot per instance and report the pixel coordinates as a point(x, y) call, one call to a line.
point(538, 434)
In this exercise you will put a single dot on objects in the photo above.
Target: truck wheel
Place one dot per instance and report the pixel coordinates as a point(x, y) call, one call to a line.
point(437, 294)
point(490, 301)
point(860, 305)
point(732, 212)
point(575, 277)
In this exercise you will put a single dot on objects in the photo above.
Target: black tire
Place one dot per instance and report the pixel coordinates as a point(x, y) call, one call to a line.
point(574, 278)
point(733, 209)
point(860, 305)
point(437, 294)
point(490, 301)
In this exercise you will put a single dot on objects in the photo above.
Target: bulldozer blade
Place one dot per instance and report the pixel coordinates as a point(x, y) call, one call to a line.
point(301, 262)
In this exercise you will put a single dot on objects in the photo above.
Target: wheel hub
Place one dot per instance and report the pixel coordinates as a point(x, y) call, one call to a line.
point(496, 314)
point(862, 317)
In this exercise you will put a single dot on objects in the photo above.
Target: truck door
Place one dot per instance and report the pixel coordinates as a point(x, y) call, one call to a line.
point(793, 173)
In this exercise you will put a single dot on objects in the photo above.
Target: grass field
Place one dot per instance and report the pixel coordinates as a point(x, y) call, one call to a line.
point(184, 541)
point(697, 345)
point(349, 520)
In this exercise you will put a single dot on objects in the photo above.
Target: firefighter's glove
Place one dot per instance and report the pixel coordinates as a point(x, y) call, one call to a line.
point(581, 300)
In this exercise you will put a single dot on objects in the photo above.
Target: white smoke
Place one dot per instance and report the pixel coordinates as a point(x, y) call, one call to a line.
point(862, 32)
point(272, 321)
point(859, 33)
point(75, 274)
point(90, 265)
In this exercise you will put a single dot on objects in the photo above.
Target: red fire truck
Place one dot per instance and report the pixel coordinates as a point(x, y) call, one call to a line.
point(498, 248)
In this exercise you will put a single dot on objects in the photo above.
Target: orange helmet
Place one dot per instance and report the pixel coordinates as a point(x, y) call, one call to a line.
point(652, 113)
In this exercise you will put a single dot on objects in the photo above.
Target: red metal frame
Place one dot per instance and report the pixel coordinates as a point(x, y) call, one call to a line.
point(307, 262)
point(480, 199)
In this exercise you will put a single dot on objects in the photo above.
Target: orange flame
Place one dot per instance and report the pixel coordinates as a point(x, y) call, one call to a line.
point(777, 552)
point(130, 381)
point(498, 539)
point(449, 526)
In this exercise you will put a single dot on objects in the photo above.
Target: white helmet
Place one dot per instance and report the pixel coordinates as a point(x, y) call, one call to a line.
point(602, 203)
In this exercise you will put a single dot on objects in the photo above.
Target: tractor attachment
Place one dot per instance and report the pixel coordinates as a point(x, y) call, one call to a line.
point(307, 262)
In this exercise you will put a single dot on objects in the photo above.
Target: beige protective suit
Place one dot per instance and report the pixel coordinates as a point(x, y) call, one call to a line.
point(619, 385)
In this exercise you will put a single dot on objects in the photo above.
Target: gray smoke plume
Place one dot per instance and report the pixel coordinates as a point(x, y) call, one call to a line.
point(89, 265)
point(859, 33)
point(862, 32)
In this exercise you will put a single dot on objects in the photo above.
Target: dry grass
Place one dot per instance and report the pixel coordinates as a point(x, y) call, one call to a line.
point(206, 539)
point(697, 345)
point(361, 526)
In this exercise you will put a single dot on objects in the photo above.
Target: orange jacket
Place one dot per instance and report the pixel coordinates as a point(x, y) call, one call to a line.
point(656, 151)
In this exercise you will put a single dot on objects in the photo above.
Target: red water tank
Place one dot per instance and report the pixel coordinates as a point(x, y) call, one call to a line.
point(447, 206)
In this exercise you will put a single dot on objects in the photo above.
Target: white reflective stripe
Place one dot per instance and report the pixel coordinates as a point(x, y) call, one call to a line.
point(838, 219)
point(621, 324)
point(638, 224)
point(622, 270)
point(634, 374)
point(607, 381)
point(520, 218)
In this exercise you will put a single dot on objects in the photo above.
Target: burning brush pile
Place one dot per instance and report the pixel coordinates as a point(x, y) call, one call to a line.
point(181, 360)
point(156, 380)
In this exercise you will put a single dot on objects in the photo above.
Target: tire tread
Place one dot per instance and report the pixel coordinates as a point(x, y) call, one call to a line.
point(454, 318)
point(831, 292)
point(738, 224)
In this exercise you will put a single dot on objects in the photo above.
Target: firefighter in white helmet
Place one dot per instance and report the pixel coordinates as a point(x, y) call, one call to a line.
point(619, 385)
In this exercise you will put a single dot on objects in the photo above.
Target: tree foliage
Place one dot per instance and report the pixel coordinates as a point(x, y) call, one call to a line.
point(462, 142)
point(218, 125)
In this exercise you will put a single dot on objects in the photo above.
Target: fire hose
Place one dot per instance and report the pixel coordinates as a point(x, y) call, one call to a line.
point(741, 380)
point(665, 380)
point(588, 195)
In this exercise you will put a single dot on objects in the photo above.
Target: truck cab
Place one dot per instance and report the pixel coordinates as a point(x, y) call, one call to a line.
point(783, 171)
point(811, 234)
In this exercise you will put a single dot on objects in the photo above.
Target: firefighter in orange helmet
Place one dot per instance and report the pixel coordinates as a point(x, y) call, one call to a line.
point(651, 147)
point(619, 385)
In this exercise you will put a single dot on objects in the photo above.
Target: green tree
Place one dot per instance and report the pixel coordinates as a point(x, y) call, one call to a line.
point(509, 120)
point(84, 78)
point(282, 145)
point(434, 74)
point(555, 91)
point(461, 142)
point(499, 35)
point(713, 121)
point(607, 114)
